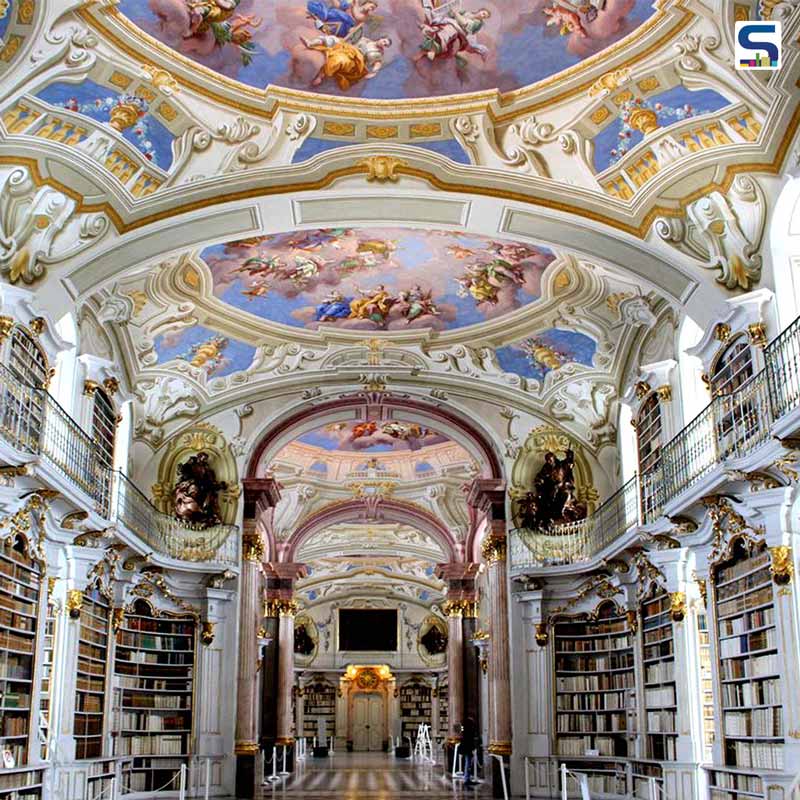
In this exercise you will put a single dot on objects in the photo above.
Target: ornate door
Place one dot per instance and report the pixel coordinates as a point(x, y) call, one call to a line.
point(368, 722)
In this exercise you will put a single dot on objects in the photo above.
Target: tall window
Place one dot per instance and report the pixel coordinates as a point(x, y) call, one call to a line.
point(23, 407)
point(649, 427)
point(26, 360)
point(733, 367)
point(104, 421)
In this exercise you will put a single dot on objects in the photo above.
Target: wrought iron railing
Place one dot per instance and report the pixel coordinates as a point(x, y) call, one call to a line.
point(782, 355)
point(33, 422)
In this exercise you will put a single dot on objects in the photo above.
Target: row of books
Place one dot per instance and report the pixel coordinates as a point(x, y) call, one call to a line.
point(19, 780)
point(742, 567)
point(570, 631)
point(17, 606)
point(168, 701)
point(584, 723)
point(755, 693)
point(760, 618)
point(12, 619)
point(133, 721)
point(143, 682)
point(595, 663)
point(132, 639)
point(754, 667)
point(751, 581)
point(759, 597)
point(591, 645)
point(662, 696)
point(589, 683)
point(661, 721)
point(660, 673)
point(14, 726)
point(22, 589)
point(748, 643)
point(577, 746)
point(165, 658)
point(150, 745)
point(763, 755)
point(157, 626)
point(765, 722)
point(608, 701)
point(737, 780)
point(85, 684)
point(657, 635)
point(13, 641)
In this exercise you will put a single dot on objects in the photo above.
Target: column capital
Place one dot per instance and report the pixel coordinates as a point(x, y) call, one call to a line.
point(493, 548)
point(280, 607)
point(488, 495)
point(460, 607)
point(261, 491)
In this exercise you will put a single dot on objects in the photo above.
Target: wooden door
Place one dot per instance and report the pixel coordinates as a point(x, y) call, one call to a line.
point(368, 713)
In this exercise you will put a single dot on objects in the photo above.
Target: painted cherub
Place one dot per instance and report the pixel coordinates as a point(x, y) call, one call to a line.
point(448, 30)
point(570, 21)
point(351, 60)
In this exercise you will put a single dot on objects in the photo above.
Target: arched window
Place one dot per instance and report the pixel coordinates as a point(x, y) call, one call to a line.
point(104, 423)
point(23, 405)
point(732, 367)
point(649, 440)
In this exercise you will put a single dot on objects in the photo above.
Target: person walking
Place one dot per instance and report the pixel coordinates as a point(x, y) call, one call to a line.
point(469, 741)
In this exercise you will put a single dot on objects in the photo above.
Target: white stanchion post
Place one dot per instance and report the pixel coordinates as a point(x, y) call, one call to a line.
point(475, 766)
point(182, 791)
point(564, 791)
point(113, 793)
point(207, 788)
point(455, 761)
point(274, 778)
point(653, 788)
point(502, 775)
point(331, 751)
point(315, 741)
point(283, 771)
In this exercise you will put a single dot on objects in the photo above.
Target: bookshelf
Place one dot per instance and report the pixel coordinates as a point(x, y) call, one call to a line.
point(706, 691)
point(416, 707)
point(319, 702)
point(724, 785)
point(595, 684)
point(153, 695)
point(444, 712)
point(98, 779)
point(749, 662)
point(48, 647)
point(25, 783)
point(658, 660)
point(92, 678)
point(20, 590)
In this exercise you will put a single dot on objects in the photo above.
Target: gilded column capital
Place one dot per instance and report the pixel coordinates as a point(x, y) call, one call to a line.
point(542, 634)
point(6, 326)
point(252, 547)
point(493, 548)
point(207, 633)
point(117, 617)
point(278, 607)
point(453, 608)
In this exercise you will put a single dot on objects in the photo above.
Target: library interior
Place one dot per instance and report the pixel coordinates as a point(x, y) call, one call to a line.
point(284, 514)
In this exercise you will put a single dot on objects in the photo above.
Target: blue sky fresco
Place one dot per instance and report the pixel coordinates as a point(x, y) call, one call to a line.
point(5, 17)
point(93, 100)
point(565, 346)
point(372, 437)
point(449, 148)
point(674, 103)
point(377, 278)
point(216, 355)
point(403, 50)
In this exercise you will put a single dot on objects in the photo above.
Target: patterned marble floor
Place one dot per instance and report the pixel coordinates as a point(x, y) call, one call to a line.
point(370, 776)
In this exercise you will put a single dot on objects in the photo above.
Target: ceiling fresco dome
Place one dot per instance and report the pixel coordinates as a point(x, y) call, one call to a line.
point(389, 49)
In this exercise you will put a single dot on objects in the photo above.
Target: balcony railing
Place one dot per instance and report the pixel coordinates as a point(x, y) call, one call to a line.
point(730, 427)
point(33, 422)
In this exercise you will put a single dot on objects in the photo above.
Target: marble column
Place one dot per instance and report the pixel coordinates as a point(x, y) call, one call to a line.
point(284, 727)
point(247, 748)
point(260, 497)
point(455, 670)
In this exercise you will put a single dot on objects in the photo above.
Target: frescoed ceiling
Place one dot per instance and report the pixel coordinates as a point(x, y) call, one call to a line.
point(386, 49)
point(377, 278)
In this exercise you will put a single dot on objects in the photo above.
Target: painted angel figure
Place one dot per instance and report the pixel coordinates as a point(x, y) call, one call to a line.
point(348, 60)
point(448, 30)
point(417, 303)
point(306, 267)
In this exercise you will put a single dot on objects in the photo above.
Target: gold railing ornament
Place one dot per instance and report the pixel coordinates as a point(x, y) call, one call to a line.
point(782, 567)
point(677, 606)
point(494, 549)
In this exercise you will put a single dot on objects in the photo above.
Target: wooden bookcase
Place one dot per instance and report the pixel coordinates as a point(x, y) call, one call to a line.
point(749, 661)
point(48, 648)
point(92, 678)
point(444, 711)
point(319, 702)
point(20, 594)
point(595, 684)
point(658, 660)
point(415, 708)
point(153, 695)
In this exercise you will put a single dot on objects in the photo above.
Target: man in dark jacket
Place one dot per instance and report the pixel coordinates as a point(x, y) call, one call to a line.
point(469, 741)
